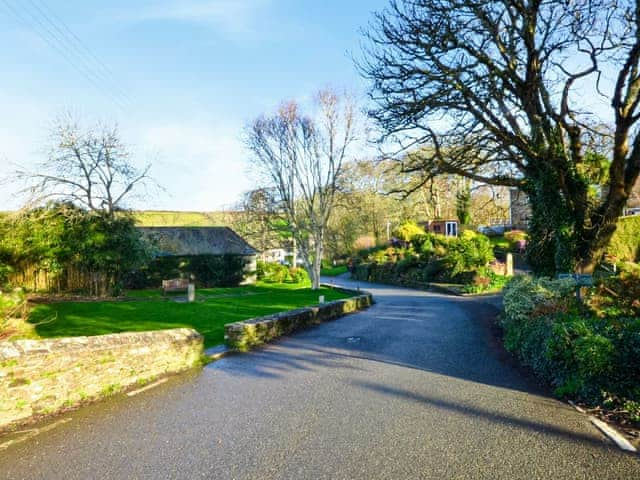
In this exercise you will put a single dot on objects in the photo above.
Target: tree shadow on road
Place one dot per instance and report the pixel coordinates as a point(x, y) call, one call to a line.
point(474, 412)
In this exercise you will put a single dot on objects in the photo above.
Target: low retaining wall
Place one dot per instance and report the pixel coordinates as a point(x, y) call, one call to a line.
point(39, 377)
point(256, 331)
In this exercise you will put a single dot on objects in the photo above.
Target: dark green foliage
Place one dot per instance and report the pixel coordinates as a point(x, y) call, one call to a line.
point(617, 296)
point(4, 274)
point(75, 250)
point(582, 352)
point(421, 240)
point(463, 205)
point(206, 270)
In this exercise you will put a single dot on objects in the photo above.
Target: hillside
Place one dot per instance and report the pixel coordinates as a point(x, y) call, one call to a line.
point(167, 218)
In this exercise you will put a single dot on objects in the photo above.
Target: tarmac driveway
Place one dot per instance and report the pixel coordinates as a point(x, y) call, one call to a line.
point(414, 387)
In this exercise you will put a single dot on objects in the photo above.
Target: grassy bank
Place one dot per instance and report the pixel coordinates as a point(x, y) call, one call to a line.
point(148, 310)
point(334, 271)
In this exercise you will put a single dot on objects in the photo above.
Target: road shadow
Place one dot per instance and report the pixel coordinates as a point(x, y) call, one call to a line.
point(451, 336)
point(474, 412)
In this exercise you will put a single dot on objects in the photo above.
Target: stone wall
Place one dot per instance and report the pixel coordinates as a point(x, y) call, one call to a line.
point(39, 377)
point(256, 331)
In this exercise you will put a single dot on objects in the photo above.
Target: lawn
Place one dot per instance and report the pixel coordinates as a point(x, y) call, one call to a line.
point(500, 242)
point(148, 310)
point(334, 271)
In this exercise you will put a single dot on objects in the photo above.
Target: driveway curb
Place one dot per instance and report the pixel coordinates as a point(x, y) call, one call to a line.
point(610, 432)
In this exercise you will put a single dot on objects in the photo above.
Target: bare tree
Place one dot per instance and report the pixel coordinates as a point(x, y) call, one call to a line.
point(497, 91)
point(301, 158)
point(91, 168)
point(260, 220)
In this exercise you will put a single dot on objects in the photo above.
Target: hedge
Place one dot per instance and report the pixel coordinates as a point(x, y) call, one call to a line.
point(582, 351)
point(208, 271)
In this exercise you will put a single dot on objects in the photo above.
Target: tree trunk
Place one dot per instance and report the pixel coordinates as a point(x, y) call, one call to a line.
point(316, 264)
point(294, 252)
point(551, 230)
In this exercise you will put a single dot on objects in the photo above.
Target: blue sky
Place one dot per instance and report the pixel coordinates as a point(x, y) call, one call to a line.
point(181, 78)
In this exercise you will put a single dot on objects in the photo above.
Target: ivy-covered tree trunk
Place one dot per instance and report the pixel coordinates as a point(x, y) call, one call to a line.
point(567, 234)
point(463, 204)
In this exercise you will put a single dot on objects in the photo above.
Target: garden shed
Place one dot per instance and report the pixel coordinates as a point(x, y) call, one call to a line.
point(443, 227)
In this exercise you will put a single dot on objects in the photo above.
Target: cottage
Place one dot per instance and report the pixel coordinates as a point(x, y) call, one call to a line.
point(196, 241)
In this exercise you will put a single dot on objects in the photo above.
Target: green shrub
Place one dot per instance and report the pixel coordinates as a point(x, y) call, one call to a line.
point(362, 272)
point(523, 295)
point(617, 296)
point(298, 275)
point(12, 305)
point(587, 356)
point(5, 270)
point(408, 262)
point(485, 280)
point(625, 243)
point(429, 258)
point(272, 272)
point(418, 241)
point(468, 253)
point(581, 355)
point(78, 250)
point(277, 273)
point(408, 230)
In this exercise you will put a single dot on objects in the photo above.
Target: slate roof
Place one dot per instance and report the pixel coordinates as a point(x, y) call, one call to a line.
point(178, 241)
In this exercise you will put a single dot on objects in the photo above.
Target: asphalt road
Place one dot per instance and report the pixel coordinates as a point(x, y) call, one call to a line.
point(413, 388)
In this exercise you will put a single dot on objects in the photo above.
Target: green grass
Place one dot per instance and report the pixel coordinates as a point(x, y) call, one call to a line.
point(162, 218)
point(334, 271)
point(148, 310)
point(500, 242)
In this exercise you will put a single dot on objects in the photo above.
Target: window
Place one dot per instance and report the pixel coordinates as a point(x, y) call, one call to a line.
point(451, 229)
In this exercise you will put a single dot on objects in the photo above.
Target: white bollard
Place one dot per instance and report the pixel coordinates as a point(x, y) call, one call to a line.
point(508, 266)
point(191, 293)
point(321, 299)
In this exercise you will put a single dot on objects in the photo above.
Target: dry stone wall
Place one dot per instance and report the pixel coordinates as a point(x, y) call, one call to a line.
point(45, 376)
point(256, 331)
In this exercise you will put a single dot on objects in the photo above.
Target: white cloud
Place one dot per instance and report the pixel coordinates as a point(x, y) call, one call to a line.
point(229, 16)
point(202, 168)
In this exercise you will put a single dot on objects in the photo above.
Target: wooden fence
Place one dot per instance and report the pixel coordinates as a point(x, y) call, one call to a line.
point(70, 279)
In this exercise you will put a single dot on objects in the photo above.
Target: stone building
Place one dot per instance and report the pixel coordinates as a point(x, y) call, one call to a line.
point(519, 210)
point(193, 241)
